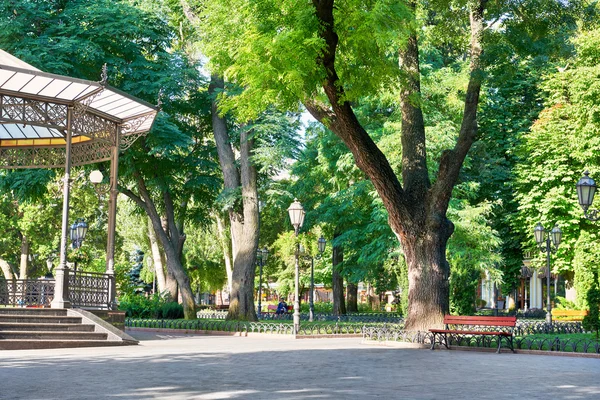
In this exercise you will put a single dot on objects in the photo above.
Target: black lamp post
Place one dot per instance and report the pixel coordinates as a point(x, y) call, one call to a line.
point(78, 231)
point(297, 213)
point(543, 238)
point(586, 189)
point(261, 257)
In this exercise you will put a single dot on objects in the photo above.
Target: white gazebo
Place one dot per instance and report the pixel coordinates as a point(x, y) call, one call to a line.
point(54, 121)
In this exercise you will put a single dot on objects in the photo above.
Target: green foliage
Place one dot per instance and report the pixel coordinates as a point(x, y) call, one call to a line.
point(585, 264)
point(564, 304)
point(562, 143)
point(156, 306)
point(591, 322)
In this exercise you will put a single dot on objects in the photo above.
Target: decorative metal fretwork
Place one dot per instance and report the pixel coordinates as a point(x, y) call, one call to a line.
point(26, 292)
point(90, 152)
point(90, 290)
point(127, 141)
point(28, 157)
point(92, 126)
point(33, 112)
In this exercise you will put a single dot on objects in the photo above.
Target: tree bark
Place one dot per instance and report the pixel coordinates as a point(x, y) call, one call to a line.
point(159, 269)
point(351, 297)
point(417, 210)
point(170, 279)
point(337, 282)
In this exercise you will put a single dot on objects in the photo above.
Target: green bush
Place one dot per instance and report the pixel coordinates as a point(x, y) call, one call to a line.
point(171, 310)
point(156, 306)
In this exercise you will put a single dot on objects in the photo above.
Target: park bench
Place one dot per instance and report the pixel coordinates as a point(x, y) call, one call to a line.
point(569, 315)
point(272, 309)
point(475, 325)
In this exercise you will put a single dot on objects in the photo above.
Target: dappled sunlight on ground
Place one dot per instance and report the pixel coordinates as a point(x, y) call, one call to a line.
point(209, 367)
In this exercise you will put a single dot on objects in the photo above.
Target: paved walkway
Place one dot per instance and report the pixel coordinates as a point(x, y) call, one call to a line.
point(222, 367)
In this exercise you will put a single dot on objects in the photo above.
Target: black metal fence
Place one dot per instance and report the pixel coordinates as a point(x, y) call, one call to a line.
point(85, 290)
point(26, 292)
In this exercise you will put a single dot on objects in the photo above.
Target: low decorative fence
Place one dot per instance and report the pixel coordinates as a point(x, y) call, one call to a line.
point(281, 328)
point(524, 340)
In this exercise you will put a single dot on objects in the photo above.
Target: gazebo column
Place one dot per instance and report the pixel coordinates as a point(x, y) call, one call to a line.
point(61, 274)
point(112, 216)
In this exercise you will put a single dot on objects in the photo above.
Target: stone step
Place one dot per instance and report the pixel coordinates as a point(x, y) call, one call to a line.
point(33, 311)
point(40, 319)
point(53, 335)
point(23, 326)
point(32, 344)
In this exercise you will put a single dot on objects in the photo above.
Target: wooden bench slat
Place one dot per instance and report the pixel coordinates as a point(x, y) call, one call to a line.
point(458, 331)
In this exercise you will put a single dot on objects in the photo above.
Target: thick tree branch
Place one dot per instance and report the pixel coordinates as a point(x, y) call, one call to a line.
point(231, 177)
point(136, 199)
point(346, 126)
point(452, 160)
point(415, 178)
point(320, 112)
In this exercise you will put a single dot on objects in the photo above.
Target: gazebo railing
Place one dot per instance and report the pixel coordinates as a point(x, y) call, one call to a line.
point(26, 292)
point(90, 290)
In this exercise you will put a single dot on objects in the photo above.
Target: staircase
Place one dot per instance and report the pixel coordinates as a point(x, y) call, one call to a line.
point(47, 328)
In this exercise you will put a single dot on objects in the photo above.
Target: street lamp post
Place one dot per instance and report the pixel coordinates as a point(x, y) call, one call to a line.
point(586, 189)
point(543, 238)
point(261, 257)
point(296, 212)
point(78, 232)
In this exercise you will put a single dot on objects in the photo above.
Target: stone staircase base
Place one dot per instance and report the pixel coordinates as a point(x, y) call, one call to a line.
point(47, 328)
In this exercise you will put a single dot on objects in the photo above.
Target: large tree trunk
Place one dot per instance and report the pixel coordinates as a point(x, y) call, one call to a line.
point(24, 257)
point(337, 282)
point(244, 222)
point(416, 209)
point(159, 269)
point(351, 297)
point(241, 304)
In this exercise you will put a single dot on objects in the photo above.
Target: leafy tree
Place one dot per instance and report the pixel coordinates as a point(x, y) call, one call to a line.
point(329, 55)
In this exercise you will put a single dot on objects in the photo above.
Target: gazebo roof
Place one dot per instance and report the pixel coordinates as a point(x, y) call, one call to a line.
point(33, 115)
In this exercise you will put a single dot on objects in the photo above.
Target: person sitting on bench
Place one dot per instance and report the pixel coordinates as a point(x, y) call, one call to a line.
point(281, 307)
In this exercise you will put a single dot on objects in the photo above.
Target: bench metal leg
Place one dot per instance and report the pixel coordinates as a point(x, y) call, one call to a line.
point(433, 342)
point(510, 341)
point(446, 341)
point(499, 344)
